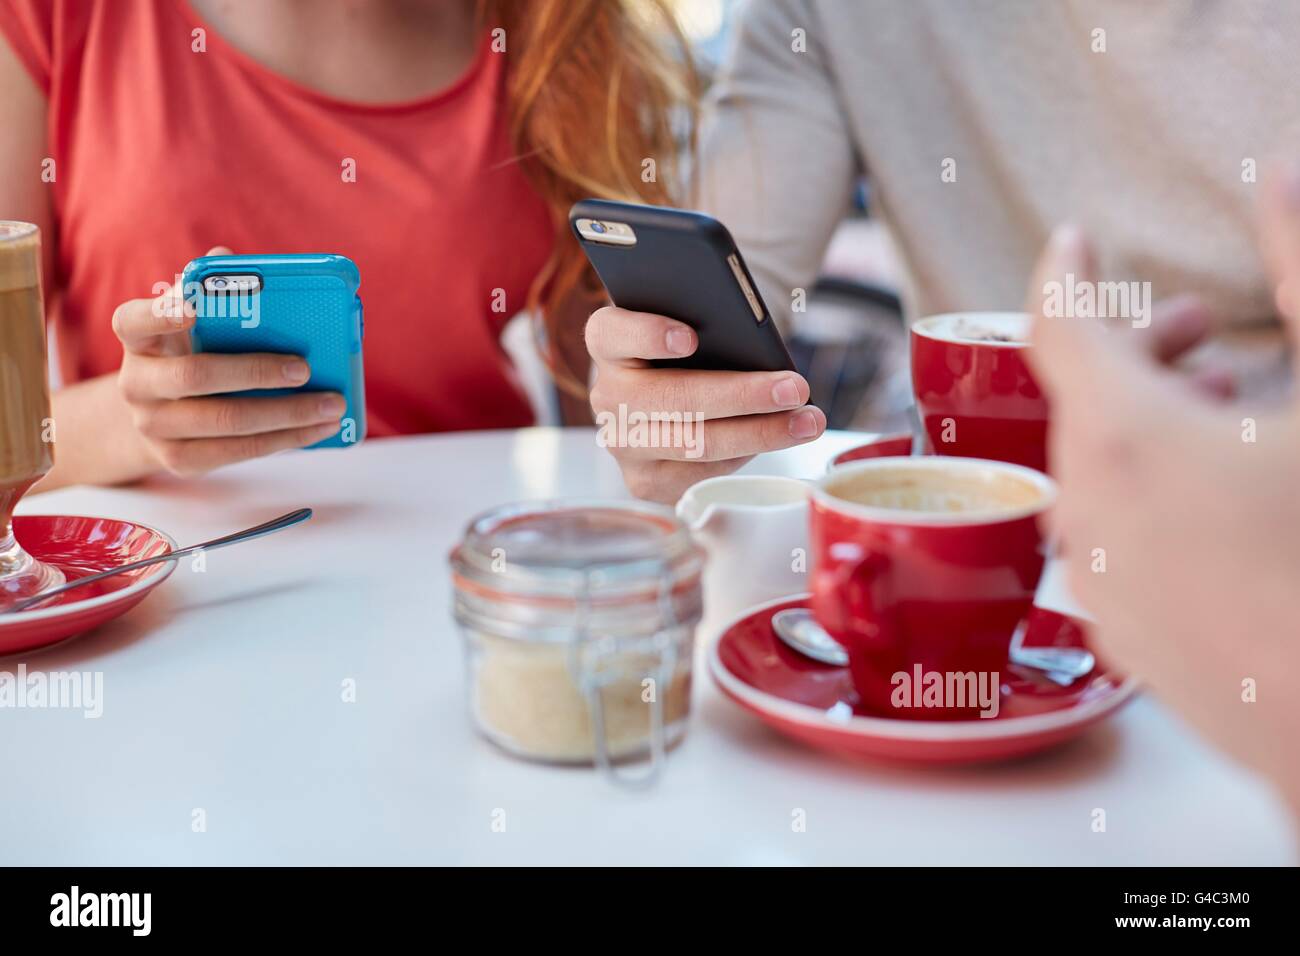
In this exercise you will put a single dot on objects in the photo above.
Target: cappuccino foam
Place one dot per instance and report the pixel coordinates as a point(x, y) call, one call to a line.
point(992, 328)
point(20, 256)
point(956, 490)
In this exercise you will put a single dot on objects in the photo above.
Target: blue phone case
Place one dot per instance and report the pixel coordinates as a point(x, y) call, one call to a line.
point(308, 305)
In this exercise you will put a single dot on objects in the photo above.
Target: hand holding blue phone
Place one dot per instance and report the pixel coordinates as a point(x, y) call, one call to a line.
point(269, 361)
point(304, 305)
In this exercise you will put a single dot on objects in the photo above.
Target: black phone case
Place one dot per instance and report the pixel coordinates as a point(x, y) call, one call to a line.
point(679, 268)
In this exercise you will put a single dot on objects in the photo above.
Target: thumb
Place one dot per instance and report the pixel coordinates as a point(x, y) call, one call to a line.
point(1067, 348)
point(220, 251)
point(1279, 233)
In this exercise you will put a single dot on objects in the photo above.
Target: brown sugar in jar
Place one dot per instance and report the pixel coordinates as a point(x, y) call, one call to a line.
point(579, 625)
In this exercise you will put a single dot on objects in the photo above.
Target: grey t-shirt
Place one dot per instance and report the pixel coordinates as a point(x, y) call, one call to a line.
point(981, 124)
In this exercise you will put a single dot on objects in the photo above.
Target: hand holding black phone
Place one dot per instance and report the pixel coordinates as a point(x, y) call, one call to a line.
point(686, 266)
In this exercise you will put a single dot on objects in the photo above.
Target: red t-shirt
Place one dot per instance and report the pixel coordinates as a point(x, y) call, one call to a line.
point(162, 152)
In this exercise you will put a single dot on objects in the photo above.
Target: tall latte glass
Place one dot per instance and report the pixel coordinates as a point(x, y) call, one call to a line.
point(26, 449)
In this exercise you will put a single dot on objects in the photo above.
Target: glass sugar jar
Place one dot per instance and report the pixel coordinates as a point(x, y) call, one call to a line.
point(579, 619)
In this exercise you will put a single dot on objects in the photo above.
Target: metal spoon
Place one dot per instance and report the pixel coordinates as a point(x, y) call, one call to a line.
point(1062, 665)
point(269, 527)
point(798, 629)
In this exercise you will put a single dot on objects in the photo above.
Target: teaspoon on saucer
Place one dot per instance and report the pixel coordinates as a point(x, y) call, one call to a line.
point(799, 630)
point(267, 527)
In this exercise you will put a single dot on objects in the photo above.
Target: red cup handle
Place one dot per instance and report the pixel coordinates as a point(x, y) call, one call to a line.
point(845, 599)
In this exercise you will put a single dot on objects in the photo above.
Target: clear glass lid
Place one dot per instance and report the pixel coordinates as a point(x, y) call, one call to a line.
point(569, 549)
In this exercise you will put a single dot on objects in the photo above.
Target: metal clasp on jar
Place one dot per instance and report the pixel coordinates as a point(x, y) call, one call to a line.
point(594, 665)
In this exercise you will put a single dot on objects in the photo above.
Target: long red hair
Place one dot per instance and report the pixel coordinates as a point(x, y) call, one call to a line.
point(602, 102)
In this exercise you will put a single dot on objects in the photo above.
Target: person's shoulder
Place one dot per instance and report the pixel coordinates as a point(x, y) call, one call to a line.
point(51, 17)
point(778, 29)
point(51, 36)
point(28, 26)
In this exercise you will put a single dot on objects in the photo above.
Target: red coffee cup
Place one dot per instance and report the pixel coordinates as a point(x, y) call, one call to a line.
point(974, 390)
point(924, 566)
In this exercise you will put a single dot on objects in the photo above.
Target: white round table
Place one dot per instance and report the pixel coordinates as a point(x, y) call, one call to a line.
point(225, 737)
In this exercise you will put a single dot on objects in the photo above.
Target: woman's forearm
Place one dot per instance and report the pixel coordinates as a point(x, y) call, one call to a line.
point(95, 441)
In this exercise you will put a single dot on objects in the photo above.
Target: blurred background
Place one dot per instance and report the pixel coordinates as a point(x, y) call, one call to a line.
point(851, 343)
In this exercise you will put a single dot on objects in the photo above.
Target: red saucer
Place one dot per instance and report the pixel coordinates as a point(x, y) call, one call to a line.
point(882, 446)
point(816, 703)
point(79, 546)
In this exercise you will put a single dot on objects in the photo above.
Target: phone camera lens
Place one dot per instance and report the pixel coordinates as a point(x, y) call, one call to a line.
point(219, 283)
point(597, 227)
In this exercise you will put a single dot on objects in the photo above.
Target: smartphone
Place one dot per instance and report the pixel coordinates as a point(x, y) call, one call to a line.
point(684, 265)
point(303, 305)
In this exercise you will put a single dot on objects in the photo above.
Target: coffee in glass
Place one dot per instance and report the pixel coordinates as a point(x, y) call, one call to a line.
point(26, 446)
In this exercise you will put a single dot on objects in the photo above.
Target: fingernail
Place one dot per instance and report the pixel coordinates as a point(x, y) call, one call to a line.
point(1293, 184)
point(785, 393)
point(296, 372)
point(1067, 247)
point(320, 433)
point(803, 425)
point(332, 407)
point(680, 341)
point(1066, 243)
